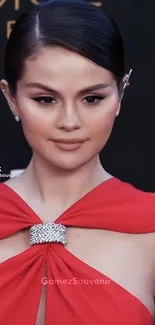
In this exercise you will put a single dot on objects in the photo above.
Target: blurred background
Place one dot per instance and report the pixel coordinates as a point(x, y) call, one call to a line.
point(129, 153)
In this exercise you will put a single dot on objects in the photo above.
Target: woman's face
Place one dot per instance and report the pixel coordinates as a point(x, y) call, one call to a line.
point(67, 106)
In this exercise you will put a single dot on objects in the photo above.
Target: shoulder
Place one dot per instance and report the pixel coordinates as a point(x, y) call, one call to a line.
point(132, 193)
point(131, 207)
point(15, 214)
point(10, 188)
point(6, 192)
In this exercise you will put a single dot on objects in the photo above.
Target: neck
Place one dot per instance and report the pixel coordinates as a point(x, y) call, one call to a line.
point(63, 186)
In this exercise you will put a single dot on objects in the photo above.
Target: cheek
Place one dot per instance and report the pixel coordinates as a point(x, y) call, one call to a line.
point(33, 129)
point(33, 121)
point(102, 124)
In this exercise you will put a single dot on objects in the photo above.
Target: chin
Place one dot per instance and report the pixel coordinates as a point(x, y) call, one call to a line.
point(68, 165)
point(67, 161)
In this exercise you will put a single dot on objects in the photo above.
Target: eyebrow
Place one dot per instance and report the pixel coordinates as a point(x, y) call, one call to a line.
point(81, 92)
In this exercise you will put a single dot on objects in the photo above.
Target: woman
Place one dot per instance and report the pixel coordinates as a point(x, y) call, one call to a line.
point(77, 244)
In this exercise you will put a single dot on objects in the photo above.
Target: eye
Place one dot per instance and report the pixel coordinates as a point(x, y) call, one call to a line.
point(45, 100)
point(94, 99)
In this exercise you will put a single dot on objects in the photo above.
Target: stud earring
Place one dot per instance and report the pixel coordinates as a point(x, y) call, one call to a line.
point(17, 118)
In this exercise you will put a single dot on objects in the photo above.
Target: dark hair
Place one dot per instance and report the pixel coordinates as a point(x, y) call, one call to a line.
point(76, 25)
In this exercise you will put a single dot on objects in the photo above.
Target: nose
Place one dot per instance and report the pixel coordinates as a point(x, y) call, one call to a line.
point(69, 119)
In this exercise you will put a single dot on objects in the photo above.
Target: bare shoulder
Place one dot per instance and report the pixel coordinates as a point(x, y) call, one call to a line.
point(19, 184)
point(15, 181)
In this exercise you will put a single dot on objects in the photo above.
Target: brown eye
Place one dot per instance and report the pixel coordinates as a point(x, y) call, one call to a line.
point(93, 99)
point(45, 100)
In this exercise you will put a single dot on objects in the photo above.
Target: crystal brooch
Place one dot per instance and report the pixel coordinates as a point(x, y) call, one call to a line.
point(48, 233)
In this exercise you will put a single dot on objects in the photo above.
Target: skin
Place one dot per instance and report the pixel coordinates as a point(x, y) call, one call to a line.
point(65, 175)
point(69, 115)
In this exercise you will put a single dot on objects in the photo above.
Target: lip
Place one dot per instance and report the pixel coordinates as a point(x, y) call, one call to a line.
point(69, 141)
point(69, 145)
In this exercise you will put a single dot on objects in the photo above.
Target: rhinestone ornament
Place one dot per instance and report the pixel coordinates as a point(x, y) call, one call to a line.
point(48, 233)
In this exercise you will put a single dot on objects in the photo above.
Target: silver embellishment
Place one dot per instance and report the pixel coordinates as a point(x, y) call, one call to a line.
point(17, 118)
point(48, 233)
point(126, 79)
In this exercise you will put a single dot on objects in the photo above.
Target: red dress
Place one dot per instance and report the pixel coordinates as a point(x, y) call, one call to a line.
point(113, 205)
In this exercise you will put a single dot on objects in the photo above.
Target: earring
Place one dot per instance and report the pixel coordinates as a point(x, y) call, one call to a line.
point(3, 90)
point(17, 118)
point(126, 79)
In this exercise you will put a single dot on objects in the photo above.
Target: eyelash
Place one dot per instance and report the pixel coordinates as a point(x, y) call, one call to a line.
point(42, 100)
point(98, 98)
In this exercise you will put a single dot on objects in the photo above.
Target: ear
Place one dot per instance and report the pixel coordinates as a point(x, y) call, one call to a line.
point(119, 104)
point(9, 97)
